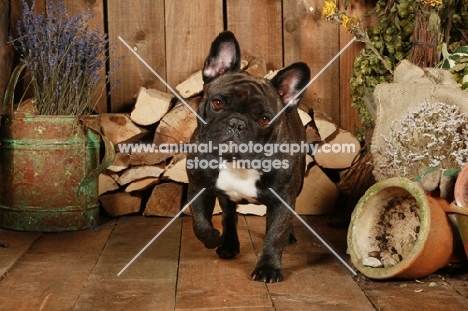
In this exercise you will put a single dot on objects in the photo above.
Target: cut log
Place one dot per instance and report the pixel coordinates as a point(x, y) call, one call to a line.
point(245, 209)
point(305, 117)
point(271, 74)
point(338, 151)
point(318, 195)
point(309, 161)
point(151, 105)
point(257, 68)
point(325, 125)
point(177, 171)
point(192, 86)
point(121, 162)
point(176, 126)
point(107, 183)
point(216, 209)
point(118, 128)
point(148, 158)
point(121, 203)
point(139, 172)
point(312, 134)
point(142, 184)
point(165, 200)
point(251, 209)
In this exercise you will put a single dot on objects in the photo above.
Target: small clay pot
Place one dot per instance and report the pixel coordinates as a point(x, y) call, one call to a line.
point(461, 188)
point(461, 214)
point(396, 231)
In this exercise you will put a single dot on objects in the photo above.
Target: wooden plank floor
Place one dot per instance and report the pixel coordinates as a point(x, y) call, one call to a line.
point(78, 271)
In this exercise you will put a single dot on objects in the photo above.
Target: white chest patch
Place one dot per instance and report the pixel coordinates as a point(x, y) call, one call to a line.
point(238, 183)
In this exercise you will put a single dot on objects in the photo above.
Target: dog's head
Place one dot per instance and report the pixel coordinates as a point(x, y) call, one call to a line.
point(240, 108)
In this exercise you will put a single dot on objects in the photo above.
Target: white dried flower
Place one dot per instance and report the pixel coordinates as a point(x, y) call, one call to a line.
point(435, 135)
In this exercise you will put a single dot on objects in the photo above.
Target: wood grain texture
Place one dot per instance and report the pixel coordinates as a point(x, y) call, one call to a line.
point(174, 37)
point(257, 26)
point(6, 50)
point(149, 283)
point(199, 268)
point(310, 38)
point(141, 24)
point(191, 26)
point(349, 116)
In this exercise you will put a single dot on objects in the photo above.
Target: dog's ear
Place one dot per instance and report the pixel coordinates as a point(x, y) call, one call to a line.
point(224, 57)
point(290, 81)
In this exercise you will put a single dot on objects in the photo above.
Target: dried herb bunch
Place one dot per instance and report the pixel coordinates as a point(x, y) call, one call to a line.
point(65, 59)
point(393, 38)
point(433, 136)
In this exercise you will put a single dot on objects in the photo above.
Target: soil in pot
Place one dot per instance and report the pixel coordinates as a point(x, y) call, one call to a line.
point(397, 231)
point(394, 226)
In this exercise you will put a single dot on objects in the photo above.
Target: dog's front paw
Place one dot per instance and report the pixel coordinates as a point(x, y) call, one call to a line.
point(211, 238)
point(228, 250)
point(268, 274)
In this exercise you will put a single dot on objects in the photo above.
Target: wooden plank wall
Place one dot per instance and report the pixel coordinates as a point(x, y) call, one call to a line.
point(174, 36)
point(6, 55)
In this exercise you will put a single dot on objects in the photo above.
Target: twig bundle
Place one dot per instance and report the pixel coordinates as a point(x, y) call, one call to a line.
point(426, 37)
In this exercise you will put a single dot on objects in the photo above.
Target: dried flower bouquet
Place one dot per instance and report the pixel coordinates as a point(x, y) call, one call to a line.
point(433, 136)
point(65, 59)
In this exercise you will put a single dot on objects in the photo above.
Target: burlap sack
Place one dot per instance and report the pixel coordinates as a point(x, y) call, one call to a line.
point(412, 87)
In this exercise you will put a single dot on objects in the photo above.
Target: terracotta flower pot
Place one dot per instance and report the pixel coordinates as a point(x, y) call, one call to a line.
point(461, 214)
point(396, 231)
point(461, 188)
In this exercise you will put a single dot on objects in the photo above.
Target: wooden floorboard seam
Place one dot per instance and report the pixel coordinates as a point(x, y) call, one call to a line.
point(19, 257)
point(78, 271)
point(90, 275)
point(258, 253)
point(178, 262)
point(112, 225)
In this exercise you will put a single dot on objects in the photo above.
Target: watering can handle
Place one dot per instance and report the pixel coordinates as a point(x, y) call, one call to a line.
point(109, 154)
point(10, 90)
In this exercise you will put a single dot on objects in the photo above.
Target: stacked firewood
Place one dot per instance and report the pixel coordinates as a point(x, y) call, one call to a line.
point(145, 180)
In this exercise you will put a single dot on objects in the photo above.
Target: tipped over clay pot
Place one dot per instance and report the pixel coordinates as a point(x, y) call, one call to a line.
point(396, 231)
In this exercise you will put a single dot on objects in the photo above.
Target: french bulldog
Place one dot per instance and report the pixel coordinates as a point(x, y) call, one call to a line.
point(239, 110)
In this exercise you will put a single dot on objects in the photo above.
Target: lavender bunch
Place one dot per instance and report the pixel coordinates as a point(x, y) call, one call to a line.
point(64, 57)
point(433, 136)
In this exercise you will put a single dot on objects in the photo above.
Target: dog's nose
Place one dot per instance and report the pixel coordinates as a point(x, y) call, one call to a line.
point(236, 125)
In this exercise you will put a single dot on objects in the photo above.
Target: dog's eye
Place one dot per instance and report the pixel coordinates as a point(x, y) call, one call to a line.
point(264, 121)
point(217, 104)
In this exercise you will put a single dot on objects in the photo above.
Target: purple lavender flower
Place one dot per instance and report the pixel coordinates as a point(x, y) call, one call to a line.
point(64, 57)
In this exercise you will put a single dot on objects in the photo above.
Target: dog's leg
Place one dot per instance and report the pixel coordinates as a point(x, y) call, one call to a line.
point(279, 234)
point(202, 211)
point(292, 236)
point(230, 246)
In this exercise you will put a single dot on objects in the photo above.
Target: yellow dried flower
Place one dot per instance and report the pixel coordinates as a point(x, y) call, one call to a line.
point(351, 24)
point(432, 2)
point(345, 20)
point(329, 9)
